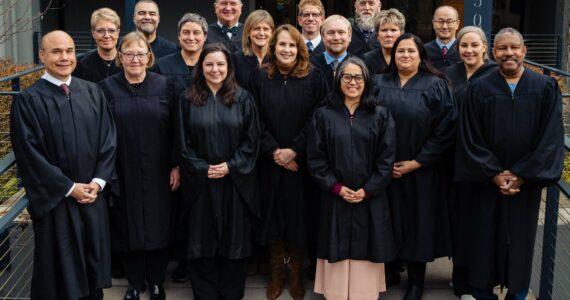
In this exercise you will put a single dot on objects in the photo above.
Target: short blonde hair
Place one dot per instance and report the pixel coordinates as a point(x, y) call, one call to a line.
point(106, 14)
point(316, 3)
point(252, 20)
point(333, 18)
point(391, 15)
point(131, 38)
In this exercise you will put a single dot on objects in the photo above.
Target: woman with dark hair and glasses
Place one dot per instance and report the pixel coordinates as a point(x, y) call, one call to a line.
point(421, 102)
point(141, 214)
point(350, 153)
point(219, 141)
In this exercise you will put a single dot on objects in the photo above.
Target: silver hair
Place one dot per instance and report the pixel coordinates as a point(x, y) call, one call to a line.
point(509, 30)
point(194, 18)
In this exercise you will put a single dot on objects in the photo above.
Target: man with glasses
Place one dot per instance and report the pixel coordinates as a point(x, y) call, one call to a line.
point(227, 30)
point(147, 18)
point(442, 51)
point(310, 18)
point(363, 33)
point(99, 64)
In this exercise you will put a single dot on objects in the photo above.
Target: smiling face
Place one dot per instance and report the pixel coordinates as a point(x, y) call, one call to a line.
point(146, 18)
point(472, 49)
point(336, 37)
point(509, 52)
point(228, 11)
point(352, 82)
point(105, 34)
point(58, 54)
point(215, 68)
point(407, 56)
point(286, 50)
point(260, 34)
point(134, 58)
point(191, 37)
point(388, 34)
point(310, 19)
point(445, 23)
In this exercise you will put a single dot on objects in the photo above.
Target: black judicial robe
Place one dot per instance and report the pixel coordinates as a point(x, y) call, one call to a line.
point(359, 154)
point(319, 62)
point(375, 61)
point(358, 44)
point(436, 55)
point(58, 141)
point(162, 47)
point(175, 68)
point(92, 67)
point(222, 211)
point(459, 194)
point(522, 133)
point(141, 211)
point(318, 50)
point(285, 107)
point(245, 66)
point(215, 35)
point(424, 114)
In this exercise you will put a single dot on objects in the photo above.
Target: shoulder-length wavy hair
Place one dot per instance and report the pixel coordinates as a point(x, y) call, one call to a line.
point(367, 100)
point(302, 66)
point(198, 92)
point(425, 63)
point(254, 18)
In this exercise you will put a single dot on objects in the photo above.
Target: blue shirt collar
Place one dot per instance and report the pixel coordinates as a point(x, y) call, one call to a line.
point(329, 58)
point(441, 44)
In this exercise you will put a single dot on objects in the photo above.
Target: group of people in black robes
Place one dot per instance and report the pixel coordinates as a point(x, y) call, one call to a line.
point(382, 162)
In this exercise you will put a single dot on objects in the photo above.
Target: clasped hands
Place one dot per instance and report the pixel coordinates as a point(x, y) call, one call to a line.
point(218, 171)
point(85, 193)
point(351, 196)
point(286, 158)
point(508, 183)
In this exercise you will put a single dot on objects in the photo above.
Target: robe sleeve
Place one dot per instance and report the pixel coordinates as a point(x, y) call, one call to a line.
point(192, 166)
point(172, 96)
point(543, 166)
point(107, 142)
point(317, 154)
point(268, 144)
point(244, 157)
point(442, 136)
point(45, 183)
point(474, 161)
point(318, 83)
point(384, 156)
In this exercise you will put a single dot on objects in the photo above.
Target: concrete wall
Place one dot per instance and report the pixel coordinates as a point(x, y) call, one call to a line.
point(17, 45)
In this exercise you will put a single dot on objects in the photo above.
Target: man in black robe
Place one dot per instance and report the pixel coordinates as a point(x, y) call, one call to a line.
point(64, 140)
point(99, 64)
point(363, 33)
point(227, 30)
point(146, 19)
point(442, 51)
point(336, 31)
point(310, 18)
point(510, 146)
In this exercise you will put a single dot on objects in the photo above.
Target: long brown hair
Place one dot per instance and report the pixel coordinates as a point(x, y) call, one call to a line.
point(302, 66)
point(198, 92)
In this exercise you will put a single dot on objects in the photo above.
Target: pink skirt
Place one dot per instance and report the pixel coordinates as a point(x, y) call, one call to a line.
point(349, 279)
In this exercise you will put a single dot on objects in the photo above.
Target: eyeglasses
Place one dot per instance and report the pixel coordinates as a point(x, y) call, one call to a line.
point(229, 3)
point(449, 22)
point(308, 15)
point(103, 31)
point(347, 78)
point(131, 56)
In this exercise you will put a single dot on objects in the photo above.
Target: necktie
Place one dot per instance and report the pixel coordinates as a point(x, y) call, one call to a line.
point(367, 35)
point(64, 89)
point(310, 46)
point(444, 50)
point(233, 30)
point(334, 64)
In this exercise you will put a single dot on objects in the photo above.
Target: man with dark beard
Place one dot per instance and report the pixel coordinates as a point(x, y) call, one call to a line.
point(363, 33)
point(147, 18)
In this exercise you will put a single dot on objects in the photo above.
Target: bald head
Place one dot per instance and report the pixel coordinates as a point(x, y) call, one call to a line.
point(445, 23)
point(446, 9)
point(57, 53)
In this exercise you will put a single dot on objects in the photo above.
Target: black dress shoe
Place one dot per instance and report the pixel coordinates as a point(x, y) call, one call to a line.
point(132, 293)
point(157, 292)
point(180, 274)
point(414, 292)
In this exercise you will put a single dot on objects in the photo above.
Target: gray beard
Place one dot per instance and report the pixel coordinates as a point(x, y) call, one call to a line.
point(365, 23)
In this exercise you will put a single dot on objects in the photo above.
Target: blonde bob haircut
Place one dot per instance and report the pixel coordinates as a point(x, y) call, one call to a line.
point(106, 14)
point(392, 16)
point(254, 18)
point(135, 38)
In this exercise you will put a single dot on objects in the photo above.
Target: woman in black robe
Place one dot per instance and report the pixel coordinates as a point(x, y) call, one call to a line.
point(421, 103)
point(286, 92)
point(351, 147)
point(472, 47)
point(389, 25)
point(142, 104)
point(257, 32)
point(219, 142)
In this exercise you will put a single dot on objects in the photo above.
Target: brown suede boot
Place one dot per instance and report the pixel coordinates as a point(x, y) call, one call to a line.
point(277, 262)
point(296, 287)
